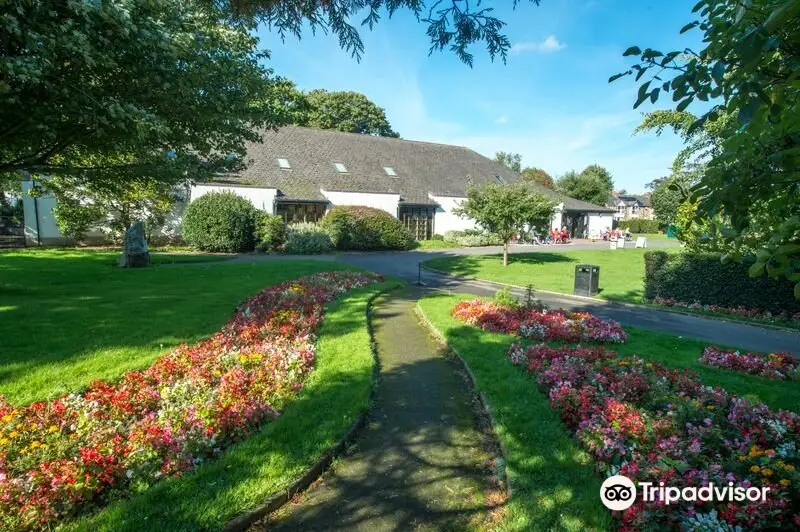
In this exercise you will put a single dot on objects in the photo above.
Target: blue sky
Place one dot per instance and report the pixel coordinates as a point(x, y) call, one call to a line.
point(551, 101)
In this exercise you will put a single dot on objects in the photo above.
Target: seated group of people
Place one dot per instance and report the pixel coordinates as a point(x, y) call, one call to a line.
point(617, 234)
point(558, 237)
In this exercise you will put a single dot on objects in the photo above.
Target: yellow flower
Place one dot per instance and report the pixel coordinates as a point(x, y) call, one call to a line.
point(742, 458)
point(710, 407)
point(755, 469)
point(52, 428)
point(785, 483)
point(789, 467)
point(35, 444)
point(7, 418)
point(766, 472)
point(4, 441)
point(13, 434)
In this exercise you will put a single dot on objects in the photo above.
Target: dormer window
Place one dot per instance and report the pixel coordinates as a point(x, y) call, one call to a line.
point(389, 171)
point(341, 168)
point(499, 179)
point(284, 164)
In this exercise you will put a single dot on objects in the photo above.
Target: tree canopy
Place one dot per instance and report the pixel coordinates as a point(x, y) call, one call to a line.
point(747, 71)
point(594, 184)
point(512, 161)
point(537, 176)
point(507, 210)
point(346, 111)
point(454, 26)
point(148, 86)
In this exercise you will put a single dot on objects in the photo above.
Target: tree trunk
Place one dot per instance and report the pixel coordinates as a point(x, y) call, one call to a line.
point(505, 253)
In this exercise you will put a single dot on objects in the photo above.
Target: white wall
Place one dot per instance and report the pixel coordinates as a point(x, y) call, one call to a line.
point(557, 222)
point(44, 228)
point(599, 222)
point(446, 219)
point(261, 198)
point(386, 202)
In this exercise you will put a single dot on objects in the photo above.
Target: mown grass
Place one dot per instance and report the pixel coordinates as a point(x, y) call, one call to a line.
point(554, 482)
point(434, 244)
point(621, 271)
point(70, 317)
point(265, 464)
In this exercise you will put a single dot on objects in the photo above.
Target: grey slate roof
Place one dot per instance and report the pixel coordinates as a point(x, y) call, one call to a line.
point(643, 201)
point(421, 167)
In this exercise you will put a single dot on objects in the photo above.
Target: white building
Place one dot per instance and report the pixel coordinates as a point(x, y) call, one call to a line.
point(299, 173)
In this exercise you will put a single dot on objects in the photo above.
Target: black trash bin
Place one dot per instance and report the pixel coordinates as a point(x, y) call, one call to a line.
point(587, 277)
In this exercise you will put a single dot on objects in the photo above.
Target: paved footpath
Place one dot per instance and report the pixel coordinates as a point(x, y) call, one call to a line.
point(419, 463)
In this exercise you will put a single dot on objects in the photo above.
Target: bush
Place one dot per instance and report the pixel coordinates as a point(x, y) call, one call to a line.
point(366, 229)
point(506, 298)
point(306, 239)
point(703, 278)
point(220, 221)
point(641, 226)
point(473, 238)
point(270, 232)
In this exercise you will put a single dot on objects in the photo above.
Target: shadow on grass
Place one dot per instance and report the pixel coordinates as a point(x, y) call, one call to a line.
point(71, 318)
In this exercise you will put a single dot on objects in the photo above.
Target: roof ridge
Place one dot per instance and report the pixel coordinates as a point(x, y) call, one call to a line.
point(363, 135)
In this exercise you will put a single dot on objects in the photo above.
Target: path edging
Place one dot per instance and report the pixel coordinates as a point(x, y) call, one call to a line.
point(274, 503)
point(607, 302)
point(484, 402)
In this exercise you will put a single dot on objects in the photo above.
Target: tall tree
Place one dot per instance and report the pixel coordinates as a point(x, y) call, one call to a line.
point(747, 69)
point(454, 26)
point(512, 161)
point(127, 84)
point(346, 111)
point(507, 210)
point(537, 176)
point(595, 170)
point(586, 186)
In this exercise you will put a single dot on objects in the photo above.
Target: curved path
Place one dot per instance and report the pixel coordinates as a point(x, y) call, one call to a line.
point(420, 463)
point(405, 265)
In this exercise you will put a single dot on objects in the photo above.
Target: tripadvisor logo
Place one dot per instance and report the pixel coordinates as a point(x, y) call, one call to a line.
point(619, 493)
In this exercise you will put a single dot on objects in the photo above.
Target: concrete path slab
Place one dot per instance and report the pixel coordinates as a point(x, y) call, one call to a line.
point(419, 464)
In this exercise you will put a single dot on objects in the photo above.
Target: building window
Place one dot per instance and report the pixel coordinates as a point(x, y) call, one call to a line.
point(389, 171)
point(301, 211)
point(499, 179)
point(284, 163)
point(342, 169)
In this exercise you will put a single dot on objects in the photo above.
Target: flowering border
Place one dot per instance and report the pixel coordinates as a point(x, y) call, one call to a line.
point(740, 311)
point(653, 424)
point(59, 457)
point(779, 366)
point(533, 323)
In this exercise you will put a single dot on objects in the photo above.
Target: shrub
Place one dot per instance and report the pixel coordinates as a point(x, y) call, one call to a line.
point(641, 226)
point(437, 237)
point(270, 232)
point(366, 229)
point(473, 238)
point(703, 278)
point(505, 298)
point(306, 238)
point(220, 221)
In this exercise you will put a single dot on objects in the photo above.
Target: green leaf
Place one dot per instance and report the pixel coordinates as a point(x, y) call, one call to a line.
point(642, 94)
point(654, 95)
point(615, 77)
point(633, 50)
point(684, 104)
point(718, 72)
point(797, 291)
point(756, 270)
point(689, 26)
point(749, 110)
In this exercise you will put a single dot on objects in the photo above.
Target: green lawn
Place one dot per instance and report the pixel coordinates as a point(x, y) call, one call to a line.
point(554, 482)
point(621, 271)
point(70, 317)
point(434, 244)
point(267, 463)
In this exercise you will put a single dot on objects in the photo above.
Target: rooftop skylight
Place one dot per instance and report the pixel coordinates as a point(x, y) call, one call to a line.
point(284, 163)
point(342, 169)
point(500, 179)
point(389, 171)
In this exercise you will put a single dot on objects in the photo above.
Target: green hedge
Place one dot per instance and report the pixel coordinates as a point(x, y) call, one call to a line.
point(220, 221)
point(270, 232)
point(473, 238)
point(641, 226)
point(307, 238)
point(365, 229)
point(703, 278)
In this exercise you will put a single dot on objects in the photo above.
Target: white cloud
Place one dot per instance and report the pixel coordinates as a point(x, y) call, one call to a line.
point(549, 45)
point(503, 119)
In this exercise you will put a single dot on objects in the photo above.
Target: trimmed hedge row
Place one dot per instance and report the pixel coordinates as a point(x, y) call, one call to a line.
point(221, 222)
point(365, 229)
point(641, 226)
point(703, 278)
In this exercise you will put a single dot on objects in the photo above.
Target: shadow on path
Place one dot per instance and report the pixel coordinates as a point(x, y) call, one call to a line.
point(420, 463)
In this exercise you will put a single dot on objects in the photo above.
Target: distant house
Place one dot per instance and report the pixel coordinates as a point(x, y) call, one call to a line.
point(299, 173)
point(628, 207)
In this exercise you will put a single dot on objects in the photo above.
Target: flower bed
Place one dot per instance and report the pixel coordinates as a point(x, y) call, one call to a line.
point(538, 324)
point(740, 311)
point(654, 424)
point(81, 449)
point(780, 366)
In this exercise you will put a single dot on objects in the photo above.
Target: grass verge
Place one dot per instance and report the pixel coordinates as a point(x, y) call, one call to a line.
point(553, 480)
point(70, 317)
point(250, 472)
point(434, 244)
